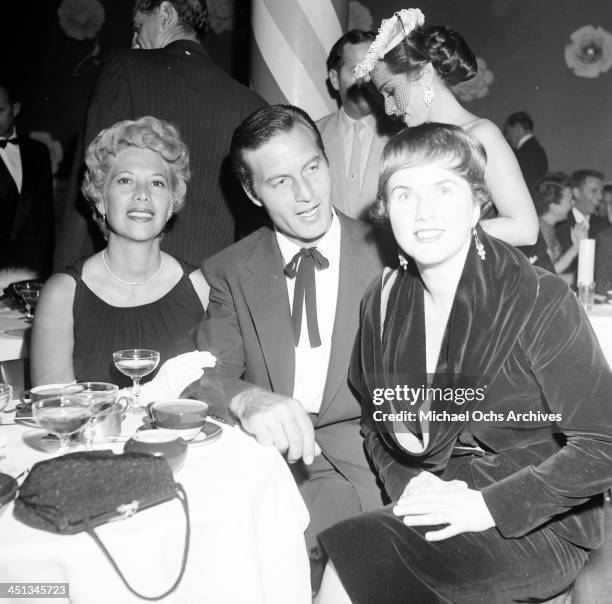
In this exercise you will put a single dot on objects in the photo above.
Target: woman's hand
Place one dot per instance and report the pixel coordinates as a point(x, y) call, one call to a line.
point(578, 233)
point(429, 500)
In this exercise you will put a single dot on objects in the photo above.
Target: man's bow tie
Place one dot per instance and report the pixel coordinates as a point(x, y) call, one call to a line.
point(303, 265)
point(5, 141)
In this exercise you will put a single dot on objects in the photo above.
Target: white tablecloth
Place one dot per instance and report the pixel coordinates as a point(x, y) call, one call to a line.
point(13, 345)
point(247, 543)
point(601, 320)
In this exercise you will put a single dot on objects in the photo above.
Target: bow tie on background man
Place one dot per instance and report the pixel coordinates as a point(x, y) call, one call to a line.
point(303, 265)
point(5, 141)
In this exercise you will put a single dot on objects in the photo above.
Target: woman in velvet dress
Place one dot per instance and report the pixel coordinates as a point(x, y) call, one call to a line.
point(496, 489)
point(131, 294)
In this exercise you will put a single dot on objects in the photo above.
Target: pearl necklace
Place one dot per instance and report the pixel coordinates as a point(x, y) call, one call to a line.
point(161, 263)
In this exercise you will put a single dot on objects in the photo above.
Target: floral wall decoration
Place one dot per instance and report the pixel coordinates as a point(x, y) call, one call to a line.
point(54, 146)
point(82, 20)
point(590, 52)
point(478, 86)
point(220, 15)
point(359, 16)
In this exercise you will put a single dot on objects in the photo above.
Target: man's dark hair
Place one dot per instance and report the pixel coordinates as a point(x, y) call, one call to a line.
point(579, 177)
point(192, 14)
point(607, 188)
point(354, 36)
point(8, 85)
point(522, 118)
point(259, 128)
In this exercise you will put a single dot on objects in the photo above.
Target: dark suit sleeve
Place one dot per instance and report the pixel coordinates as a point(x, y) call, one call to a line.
point(603, 261)
point(576, 382)
point(111, 102)
point(219, 333)
point(34, 245)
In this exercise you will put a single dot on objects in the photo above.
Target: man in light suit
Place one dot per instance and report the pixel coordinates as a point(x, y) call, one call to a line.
point(283, 361)
point(26, 194)
point(168, 74)
point(354, 136)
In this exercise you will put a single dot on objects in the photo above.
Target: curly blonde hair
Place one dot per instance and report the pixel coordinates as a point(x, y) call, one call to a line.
point(145, 133)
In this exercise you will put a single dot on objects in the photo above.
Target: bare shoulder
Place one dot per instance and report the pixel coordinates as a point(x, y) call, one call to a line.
point(58, 289)
point(485, 131)
point(200, 286)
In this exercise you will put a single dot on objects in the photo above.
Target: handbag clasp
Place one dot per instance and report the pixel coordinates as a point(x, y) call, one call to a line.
point(126, 510)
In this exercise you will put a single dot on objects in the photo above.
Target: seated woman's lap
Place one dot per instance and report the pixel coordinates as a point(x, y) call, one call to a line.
point(380, 559)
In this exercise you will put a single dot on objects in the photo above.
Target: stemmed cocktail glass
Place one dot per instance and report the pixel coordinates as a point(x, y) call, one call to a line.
point(136, 363)
point(62, 415)
point(100, 396)
point(28, 291)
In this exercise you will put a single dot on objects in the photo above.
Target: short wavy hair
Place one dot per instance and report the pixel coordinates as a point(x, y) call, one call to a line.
point(145, 133)
point(549, 189)
point(433, 143)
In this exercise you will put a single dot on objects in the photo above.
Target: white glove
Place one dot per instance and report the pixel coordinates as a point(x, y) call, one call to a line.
point(175, 375)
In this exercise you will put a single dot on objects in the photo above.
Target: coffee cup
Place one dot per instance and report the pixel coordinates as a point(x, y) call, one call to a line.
point(183, 416)
point(161, 443)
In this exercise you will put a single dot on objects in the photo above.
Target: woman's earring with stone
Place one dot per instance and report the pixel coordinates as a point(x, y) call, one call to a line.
point(428, 95)
point(403, 261)
point(480, 250)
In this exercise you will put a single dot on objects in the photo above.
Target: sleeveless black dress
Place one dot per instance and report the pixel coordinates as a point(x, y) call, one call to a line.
point(168, 325)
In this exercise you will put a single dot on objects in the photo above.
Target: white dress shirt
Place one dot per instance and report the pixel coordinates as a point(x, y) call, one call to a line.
point(580, 217)
point(523, 140)
point(311, 363)
point(11, 157)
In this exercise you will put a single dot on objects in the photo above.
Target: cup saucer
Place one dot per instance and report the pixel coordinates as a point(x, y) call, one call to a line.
point(210, 432)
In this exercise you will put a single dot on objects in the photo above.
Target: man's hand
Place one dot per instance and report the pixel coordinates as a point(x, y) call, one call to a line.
point(429, 500)
point(277, 420)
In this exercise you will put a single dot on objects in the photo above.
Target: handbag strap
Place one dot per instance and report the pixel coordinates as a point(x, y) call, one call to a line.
point(182, 496)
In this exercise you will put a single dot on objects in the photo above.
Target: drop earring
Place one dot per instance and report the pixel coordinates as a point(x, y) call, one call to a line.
point(403, 261)
point(480, 250)
point(428, 94)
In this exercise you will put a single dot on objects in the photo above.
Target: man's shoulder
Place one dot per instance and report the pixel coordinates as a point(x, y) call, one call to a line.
point(229, 258)
point(604, 236)
point(361, 237)
point(327, 123)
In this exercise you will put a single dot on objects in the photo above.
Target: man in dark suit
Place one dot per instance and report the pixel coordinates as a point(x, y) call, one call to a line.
point(283, 363)
point(586, 196)
point(26, 194)
point(530, 155)
point(169, 75)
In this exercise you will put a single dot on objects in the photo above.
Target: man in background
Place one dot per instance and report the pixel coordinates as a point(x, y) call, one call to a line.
point(26, 194)
point(530, 155)
point(353, 136)
point(169, 75)
point(586, 196)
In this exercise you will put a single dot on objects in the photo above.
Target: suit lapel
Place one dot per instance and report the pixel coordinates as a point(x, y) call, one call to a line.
point(356, 274)
point(369, 183)
point(265, 291)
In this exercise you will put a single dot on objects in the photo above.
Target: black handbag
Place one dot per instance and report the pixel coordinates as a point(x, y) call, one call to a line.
point(79, 491)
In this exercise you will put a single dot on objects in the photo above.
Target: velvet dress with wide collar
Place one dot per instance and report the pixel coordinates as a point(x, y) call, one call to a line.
point(517, 333)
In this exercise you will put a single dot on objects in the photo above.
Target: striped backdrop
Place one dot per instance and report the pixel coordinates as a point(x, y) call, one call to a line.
point(291, 41)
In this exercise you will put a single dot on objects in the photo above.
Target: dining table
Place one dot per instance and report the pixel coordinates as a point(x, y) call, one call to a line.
point(600, 317)
point(247, 531)
point(14, 332)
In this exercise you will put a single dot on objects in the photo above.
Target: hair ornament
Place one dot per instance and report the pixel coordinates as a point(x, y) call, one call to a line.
point(391, 32)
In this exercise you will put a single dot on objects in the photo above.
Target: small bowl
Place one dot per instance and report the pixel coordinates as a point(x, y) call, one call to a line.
point(184, 416)
point(161, 443)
